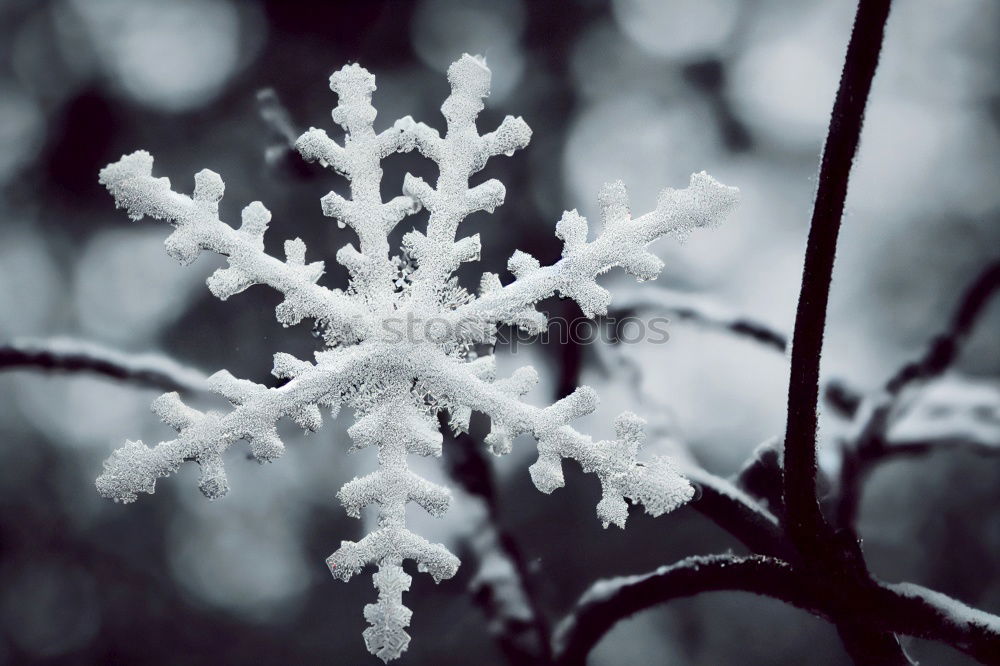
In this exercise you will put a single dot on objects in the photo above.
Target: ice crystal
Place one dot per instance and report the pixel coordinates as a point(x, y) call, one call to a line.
point(398, 384)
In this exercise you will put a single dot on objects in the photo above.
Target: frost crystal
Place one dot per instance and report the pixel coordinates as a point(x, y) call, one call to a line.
point(397, 385)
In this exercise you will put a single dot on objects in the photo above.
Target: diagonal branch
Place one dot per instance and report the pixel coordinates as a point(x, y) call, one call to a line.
point(737, 513)
point(502, 586)
point(700, 310)
point(944, 349)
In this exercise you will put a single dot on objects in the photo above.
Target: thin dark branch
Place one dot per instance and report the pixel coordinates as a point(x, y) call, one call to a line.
point(822, 551)
point(805, 521)
point(699, 310)
point(68, 355)
point(945, 348)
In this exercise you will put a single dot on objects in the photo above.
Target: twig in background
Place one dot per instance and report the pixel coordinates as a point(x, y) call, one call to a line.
point(700, 310)
point(608, 601)
point(502, 585)
point(877, 415)
point(70, 355)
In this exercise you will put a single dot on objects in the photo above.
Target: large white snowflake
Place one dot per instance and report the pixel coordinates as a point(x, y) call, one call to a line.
point(397, 378)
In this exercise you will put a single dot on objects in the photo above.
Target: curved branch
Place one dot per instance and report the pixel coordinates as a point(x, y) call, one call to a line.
point(608, 601)
point(877, 609)
point(69, 355)
point(738, 513)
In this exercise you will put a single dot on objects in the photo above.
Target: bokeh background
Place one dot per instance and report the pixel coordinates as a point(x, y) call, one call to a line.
point(642, 90)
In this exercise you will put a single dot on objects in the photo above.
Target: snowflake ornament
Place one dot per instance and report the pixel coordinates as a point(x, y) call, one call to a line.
point(397, 382)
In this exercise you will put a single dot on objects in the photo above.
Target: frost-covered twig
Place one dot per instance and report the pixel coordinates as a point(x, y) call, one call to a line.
point(738, 513)
point(71, 355)
point(606, 602)
point(901, 608)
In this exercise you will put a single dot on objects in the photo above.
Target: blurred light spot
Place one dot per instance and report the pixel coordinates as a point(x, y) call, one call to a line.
point(784, 83)
point(902, 149)
point(646, 144)
point(442, 30)
point(29, 283)
point(49, 608)
point(252, 565)
point(943, 50)
point(784, 89)
point(127, 288)
point(677, 28)
point(91, 412)
point(21, 127)
point(171, 55)
point(604, 64)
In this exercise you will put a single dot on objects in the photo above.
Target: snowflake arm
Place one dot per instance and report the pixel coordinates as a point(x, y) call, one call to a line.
point(198, 227)
point(622, 243)
point(460, 154)
point(358, 160)
point(203, 437)
point(658, 486)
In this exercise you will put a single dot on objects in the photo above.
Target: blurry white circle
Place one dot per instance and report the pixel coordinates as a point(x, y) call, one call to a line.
point(20, 129)
point(677, 28)
point(127, 288)
point(248, 564)
point(171, 55)
point(442, 30)
point(785, 88)
point(30, 284)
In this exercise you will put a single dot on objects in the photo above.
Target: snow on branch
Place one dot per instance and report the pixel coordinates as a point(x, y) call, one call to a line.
point(901, 608)
point(606, 602)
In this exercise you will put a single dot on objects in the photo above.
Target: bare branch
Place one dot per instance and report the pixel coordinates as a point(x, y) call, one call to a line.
point(738, 513)
point(804, 516)
point(945, 348)
point(69, 355)
point(699, 310)
point(872, 444)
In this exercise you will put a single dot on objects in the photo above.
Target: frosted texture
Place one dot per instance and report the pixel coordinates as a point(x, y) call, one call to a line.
point(397, 386)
